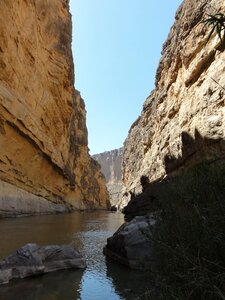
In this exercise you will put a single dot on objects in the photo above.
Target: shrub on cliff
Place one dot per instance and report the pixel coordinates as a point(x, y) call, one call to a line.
point(217, 24)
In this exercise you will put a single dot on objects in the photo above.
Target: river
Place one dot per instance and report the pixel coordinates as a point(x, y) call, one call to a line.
point(103, 279)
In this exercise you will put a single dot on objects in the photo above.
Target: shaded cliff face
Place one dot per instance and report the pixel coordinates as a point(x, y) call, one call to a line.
point(110, 162)
point(43, 134)
point(183, 120)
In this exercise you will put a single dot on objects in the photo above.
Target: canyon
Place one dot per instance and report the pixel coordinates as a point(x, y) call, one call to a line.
point(173, 160)
point(45, 166)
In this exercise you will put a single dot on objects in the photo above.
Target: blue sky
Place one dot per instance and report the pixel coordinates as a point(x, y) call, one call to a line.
point(117, 46)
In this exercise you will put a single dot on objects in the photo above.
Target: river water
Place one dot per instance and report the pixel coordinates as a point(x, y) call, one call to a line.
point(103, 279)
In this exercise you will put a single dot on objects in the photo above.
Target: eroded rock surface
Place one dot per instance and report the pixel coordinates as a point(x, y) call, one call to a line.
point(33, 260)
point(43, 135)
point(183, 120)
point(179, 135)
point(131, 244)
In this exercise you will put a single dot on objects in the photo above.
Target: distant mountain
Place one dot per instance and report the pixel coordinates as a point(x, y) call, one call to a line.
point(110, 162)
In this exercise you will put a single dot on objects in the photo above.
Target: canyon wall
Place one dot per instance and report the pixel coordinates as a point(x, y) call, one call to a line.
point(183, 120)
point(44, 159)
point(110, 162)
point(174, 164)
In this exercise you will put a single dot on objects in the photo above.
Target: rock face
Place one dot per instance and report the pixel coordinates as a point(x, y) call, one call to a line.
point(43, 134)
point(110, 162)
point(174, 155)
point(131, 244)
point(183, 120)
point(33, 260)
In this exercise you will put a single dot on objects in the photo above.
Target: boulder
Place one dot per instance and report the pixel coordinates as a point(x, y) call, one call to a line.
point(32, 260)
point(131, 244)
point(113, 208)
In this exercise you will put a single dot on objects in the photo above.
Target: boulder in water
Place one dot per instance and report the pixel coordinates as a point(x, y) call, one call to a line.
point(131, 244)
point(32, 260)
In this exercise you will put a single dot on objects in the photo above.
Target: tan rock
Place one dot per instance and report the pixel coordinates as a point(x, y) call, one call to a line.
point(183, 120)
point(43, 135)
point(110, 162)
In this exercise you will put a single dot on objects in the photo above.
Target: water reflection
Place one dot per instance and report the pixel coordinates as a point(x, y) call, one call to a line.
point(56, 286)
point(89, 231)
point(95, 284)
point(130, 283)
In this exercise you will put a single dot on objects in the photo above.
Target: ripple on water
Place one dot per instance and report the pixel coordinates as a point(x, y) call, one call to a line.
point(89, 232)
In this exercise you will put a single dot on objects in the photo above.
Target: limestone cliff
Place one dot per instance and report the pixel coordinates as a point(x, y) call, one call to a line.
point(183, 120)
point(43, 136)
point(110, 162)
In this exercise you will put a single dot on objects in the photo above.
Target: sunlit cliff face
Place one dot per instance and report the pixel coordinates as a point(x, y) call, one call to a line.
point(188, 100)
point(43, 133)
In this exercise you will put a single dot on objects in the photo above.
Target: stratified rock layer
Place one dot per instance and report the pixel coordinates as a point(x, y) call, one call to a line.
point(43, 135)
point(183, 120)
point(110, 162)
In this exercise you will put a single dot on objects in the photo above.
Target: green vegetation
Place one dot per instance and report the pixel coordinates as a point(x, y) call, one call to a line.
point(217, 23)
point(190, 237)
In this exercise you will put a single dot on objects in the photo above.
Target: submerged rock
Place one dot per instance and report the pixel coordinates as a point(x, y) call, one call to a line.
point(131, 244)
point(33, 260)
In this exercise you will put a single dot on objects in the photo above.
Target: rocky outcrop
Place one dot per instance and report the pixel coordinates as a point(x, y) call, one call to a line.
point(131, 244)
point(33, 260)
point(43, 134)
point(183, 120)
point(110, 162)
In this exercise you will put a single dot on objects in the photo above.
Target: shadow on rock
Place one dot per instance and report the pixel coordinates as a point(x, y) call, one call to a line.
point(195, 151)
